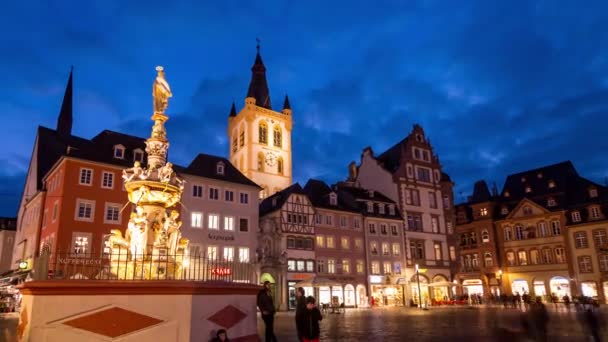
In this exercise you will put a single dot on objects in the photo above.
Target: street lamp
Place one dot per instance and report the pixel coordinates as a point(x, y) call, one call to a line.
point(419, 292)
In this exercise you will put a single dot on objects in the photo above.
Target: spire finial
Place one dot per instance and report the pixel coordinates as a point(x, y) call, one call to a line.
point(257, 46)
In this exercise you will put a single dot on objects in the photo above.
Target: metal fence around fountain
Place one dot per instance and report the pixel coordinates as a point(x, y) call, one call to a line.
point(92, 266)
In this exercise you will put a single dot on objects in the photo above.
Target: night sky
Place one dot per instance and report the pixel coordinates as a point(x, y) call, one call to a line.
point(498, 88)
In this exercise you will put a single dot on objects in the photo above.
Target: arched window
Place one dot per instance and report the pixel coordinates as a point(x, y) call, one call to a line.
point(487, 259)
point(519, 232)
point(542, 229)
point(485, 236)
point(235, 142)
point(280, 165)
point(508, 233)
point(242, 137)
point(260, 161)
point(277, 136)
point(263, 132)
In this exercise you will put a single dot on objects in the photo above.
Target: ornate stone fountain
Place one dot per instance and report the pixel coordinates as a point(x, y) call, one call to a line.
point(152, 247)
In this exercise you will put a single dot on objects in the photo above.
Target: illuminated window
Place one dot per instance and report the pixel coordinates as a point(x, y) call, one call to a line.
point(437, 248)
point(358, 243)
point(483, 212)
point(374, 248)
point(228, 253)
point(213, 222)
point(81, 243)
point(263, 133)
point(385, 249)
point(320, 241)
point(229, 223)
point(212, 252)
point(522, 256)
point(243, 254)
point(331, 266)
point(396, 249)
point(360, 266)
point(485, 236)
point(277, 137)
point(580, 240)
point(280, 165)
point(346, 266)
point(584, 264)
point(196, 220)
point(375, 267)
point(388, 268)
point(330, 242)
point(345, 243)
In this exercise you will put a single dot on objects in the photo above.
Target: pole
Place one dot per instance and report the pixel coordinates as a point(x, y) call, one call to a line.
point(419, 292)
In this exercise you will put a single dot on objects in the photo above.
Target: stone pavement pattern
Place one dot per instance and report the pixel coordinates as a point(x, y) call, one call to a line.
point(436, 324)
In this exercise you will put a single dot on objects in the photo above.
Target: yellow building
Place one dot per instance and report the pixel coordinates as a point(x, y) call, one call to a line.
point(260, 138)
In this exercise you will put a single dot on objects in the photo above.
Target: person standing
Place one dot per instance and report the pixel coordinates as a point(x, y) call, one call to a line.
point(300, 310)
point(310, 321)
point(266, 306)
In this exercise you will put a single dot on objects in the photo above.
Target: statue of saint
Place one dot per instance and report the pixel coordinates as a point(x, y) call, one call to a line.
point(165, 173)
point(137, 233)
point(171, 228)
point(161, 92)
point(135, 172)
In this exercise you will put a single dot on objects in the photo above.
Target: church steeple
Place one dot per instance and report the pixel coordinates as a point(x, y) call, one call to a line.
point(286, 106)
point(258, 86)
point(232, 110)
point(64, 121)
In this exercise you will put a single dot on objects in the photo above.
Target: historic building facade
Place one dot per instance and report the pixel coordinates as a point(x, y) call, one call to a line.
point(410, 174)
point(260, 138)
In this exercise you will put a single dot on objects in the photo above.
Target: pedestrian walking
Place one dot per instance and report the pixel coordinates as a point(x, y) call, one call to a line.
point(310, 321)
point(592, 325)
point(266, 306)
point(300, 310)
point(566, 300)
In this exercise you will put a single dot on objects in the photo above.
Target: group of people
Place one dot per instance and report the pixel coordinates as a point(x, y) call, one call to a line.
point(308, 315)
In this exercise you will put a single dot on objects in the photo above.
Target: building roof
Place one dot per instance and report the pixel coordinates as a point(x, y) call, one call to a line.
point(361, 197)
point(319, 194)
point(276, 201)
point(258, 86)
point(391, 158)
point(205, 165)
point(481, 193)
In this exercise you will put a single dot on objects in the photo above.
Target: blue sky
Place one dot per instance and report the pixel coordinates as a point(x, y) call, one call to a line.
point(499, 86)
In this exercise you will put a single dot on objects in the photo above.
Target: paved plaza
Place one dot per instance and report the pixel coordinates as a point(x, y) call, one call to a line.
point(436, 324)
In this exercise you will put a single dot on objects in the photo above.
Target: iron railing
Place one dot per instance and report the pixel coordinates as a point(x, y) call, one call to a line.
point(122, 266)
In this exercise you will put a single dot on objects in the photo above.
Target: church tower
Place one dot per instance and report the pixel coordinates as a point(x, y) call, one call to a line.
point(260, 138)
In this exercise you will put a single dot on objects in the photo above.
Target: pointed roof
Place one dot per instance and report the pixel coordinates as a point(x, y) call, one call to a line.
point(481, 193)
point(205, 165)
point(258, 86)
point(64, 121)
point(232, 110)
point(276, 201)
point(286, 104)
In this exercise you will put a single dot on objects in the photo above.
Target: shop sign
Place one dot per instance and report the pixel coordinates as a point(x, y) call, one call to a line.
point(221, 271)
point(221, 237)
point(77, 261)
point(300, 276)
point(375, 279)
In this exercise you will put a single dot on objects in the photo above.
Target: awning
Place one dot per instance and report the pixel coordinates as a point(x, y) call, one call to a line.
point(318, 282)
point(442, 284)
point(13, 278)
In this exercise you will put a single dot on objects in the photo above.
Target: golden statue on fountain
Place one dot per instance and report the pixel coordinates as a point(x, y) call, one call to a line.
point(152, 247)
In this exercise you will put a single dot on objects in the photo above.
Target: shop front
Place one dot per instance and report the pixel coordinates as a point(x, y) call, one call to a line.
point(386, 291)
point(419, 286)
point(519, 286)
point(440, 288)
point(539, 288)
point(292, 285)
point(560, 287)
point(473, 287)
point(589, 289)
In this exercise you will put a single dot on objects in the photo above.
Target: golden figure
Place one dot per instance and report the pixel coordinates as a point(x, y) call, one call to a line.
point(161, 92)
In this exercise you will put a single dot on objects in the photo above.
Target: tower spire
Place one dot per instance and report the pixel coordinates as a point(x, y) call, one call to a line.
point(64, 121)
point(258, 86)
point(233, 109)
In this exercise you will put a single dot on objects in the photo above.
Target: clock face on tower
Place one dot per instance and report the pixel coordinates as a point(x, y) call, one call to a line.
point(271, 159)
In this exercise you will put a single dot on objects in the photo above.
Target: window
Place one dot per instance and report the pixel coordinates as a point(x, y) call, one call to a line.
point(560, 255)
point(345, 266)
point(519, 232)
point(391, 210)
point(277, 136)
point(243, 225)
point(446, 202)
point(555, 227)
point(450, 228)
point(370, 207)
point(487, 260)
point(318, 218)
point(396, 249)
point(55, 205)
point(375, 267)
point(599, 237)
point(388, 268)
point(196, 220)
point(260, 161)
point(593, 192)
point(504, 211)
point(310, 266)
point(300, 265)
point(107, 180)
point(86, 176)
point(546, 256)
point(84, 210)
point(320, 241)
point(291, 265)
point(372, 228)
point(584, 264)
point(380, 208)
point(417, 250)
point(542, 229)
point(244, 198)
point(423, 174)
point(331, 266)
point(595, 212)
point(280, 167)
point(291, 242)
point(119, 152)
point(534, 257)
point(229, 196)
point(475, 261)
point(212, 252)
point(527, 210)
point(415, 198)
point(576, 216)
point(383, 230)
point(414, 222)
point(229, 223)
point(343, 221)
point(213, 221)
point(197, 191)
point(483, 212)
point(580, 240)
point(345, 243)
point(485, 236)
point(219, 168)
point(511, 258)
point(228, 253)
point(603, 262)
point(385, 249)
point(437, 248)
point(522, 256)
point(425, 155)
point(243, 254)
point(452, 253)
point(329, 220)
point(81, 243)
point(358, 244)
point(528, 189)
point(356, 222)
point(321, 266)
point(214, 193)
point(263, 133)
point(551, 202)
point(330, 242)
point(112, 213)
point(138, 155)
point(394, 230)
point(360, 266)
point(434, 225)
point(374, 248)
point(551, 184)
point(242, 138)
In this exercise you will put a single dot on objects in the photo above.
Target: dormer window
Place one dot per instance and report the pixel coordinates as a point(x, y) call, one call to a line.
point(391, 209)
point(138, 155)
point(370, 207)
point(528, 189)
point(595, 212)
point(219, 168)
point(381, 208)
point(119, 152)
point(504, 210)
point(551, 202)
point(523, 179)
point(551, 184)
point(527, 210)
point(483, 212)
point(333, 199)
point(576, 216)
point(593, 192)
point(371, 193)
point(418, 138)
point(507, 194)
point(539, 175)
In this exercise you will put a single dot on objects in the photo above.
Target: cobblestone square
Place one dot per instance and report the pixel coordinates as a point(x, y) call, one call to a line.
point(436, 324)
